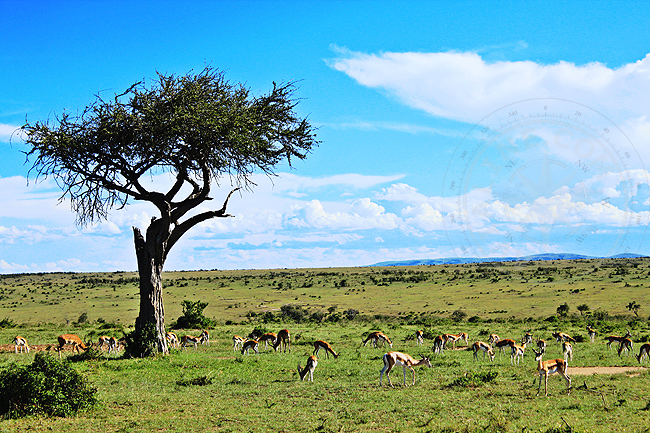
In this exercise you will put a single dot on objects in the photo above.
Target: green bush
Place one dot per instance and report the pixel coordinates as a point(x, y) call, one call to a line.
point(142, 342)
point(474, 380)
point(48, 387)
point(193, 317)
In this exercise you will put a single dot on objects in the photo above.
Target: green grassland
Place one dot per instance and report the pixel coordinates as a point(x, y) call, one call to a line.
point(216, 389)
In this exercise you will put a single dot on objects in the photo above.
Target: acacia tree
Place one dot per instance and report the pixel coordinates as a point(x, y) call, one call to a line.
point(199, 127)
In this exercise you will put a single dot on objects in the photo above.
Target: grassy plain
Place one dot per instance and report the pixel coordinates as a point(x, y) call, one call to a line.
point(217, 389)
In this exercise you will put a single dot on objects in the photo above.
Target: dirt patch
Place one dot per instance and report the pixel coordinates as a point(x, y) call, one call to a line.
point(587, 371)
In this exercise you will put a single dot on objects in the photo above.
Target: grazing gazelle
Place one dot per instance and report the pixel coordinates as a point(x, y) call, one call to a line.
point(312, 362)
point(71, 339)
point(320, 344)
point(391, 359)
point(478, 346)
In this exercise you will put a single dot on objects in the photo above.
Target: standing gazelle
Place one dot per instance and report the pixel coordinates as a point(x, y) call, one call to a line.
point(398, 358)
point(22, 343)
point(546, 368)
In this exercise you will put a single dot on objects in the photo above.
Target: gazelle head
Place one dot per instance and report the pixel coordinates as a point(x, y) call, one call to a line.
point(538, 355)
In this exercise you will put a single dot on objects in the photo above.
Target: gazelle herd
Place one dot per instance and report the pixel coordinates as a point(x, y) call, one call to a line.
point(282, 342)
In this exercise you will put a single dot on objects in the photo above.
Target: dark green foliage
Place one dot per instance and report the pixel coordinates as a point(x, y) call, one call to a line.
point(193, 317)
point(89, 354)
point(141, 342)
point(474, 380)
point(563, 310)
point(458, 316)
point(7, 323)
point(197, 381)
point(293, 312)
point(46, 387)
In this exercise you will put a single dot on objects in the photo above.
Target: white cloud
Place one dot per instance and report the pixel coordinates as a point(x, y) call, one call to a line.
point(463, 86)
point(10, 133)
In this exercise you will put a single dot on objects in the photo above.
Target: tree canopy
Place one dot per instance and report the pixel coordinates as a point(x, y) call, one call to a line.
point(200, 127)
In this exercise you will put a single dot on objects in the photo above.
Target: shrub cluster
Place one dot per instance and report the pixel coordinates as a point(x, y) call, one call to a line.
point(46, 387)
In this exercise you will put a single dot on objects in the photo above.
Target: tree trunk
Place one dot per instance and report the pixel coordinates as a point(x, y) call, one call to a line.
point(150, 267)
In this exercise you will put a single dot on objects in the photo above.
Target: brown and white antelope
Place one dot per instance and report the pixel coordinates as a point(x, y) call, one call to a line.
point(419, 338)
point(592, 333)
point(312, 362)
point(617, 339)
point(527, 338)
point(547, 368)
point(561, 336)
point(438, 345)
point(567, 350)
point(320, 344)
point(376, 337)
point(644, 352)
point(250, 344)
point(494, 339)
point(110, 342)
point(625, 345)
point(283, 341)
point(391, 359)
point(517, 353)
point(479, 345)
point(237, 342)
point(205, 337)
point(71, 339)
point(20, 342)
point(268, 337)
point(190, 339)
point(503, 344)
point(541, 345)
point(172, 340)
point(453, 338)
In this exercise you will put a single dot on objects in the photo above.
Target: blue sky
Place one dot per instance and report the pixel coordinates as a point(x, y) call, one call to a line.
point(447, 129)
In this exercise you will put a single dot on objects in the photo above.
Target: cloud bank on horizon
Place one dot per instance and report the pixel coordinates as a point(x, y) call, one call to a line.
point(553, 199)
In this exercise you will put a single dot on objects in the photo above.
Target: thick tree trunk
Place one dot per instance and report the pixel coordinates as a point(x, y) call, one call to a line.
point(150, 267)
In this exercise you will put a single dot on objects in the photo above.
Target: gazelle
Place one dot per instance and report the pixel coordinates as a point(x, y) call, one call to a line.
point(644, 352)
point(398, 358)
point(592, 333)
point(205, 337)
point(453, 338)
point(494, 339)
point(541, 345)
point(625, 345)
point(190, 339)
point(527, 338)
point(269, 336)
point(320, 344)
point(237, 342)
point(172, 339)
point(479, 345)
point(71, 339)
point(312, 362)
point(546, 368)
point(502, 344)
point(567, 350)
point(22, 343)
point(615, 338)
point(419, 338)
point(250, 344)
point(561, 336)
point(111, 342)
point(517, 353)
point(439, 345)
point(376, 337)
point(283, 341)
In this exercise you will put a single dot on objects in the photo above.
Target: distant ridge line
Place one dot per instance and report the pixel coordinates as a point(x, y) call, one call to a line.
point(531, 258)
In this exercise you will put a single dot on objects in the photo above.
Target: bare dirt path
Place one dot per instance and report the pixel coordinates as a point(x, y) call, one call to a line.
point(586, 371)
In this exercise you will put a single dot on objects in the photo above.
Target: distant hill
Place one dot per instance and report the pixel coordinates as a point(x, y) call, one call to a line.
point(535, 257)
